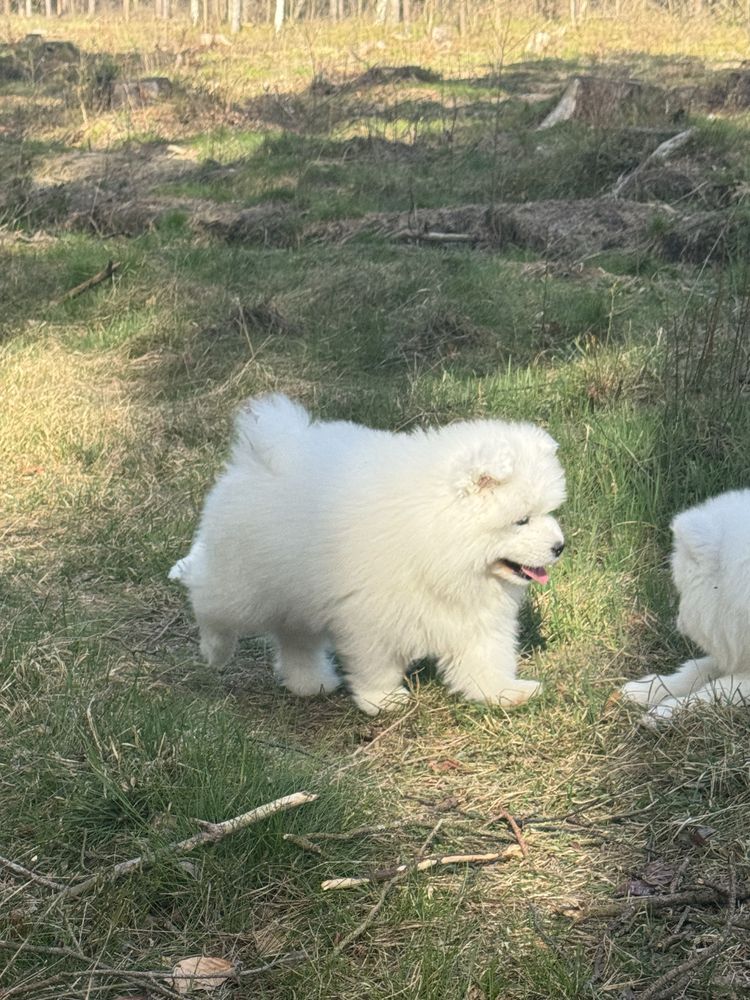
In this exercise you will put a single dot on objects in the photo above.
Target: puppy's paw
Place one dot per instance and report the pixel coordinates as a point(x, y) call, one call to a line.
point(373, 702)
point(517, 692)
point(646, 691)
point(663, 712)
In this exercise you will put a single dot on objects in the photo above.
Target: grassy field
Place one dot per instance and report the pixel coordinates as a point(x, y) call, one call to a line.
point(268, 222)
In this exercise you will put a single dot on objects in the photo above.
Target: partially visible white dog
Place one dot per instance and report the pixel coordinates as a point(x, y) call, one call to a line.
point(383, 547)
point(711, 571)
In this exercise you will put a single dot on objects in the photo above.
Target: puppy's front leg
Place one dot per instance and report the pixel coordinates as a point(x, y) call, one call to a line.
point(487, 673)
point(656, 688)
point(727, 690)
point(375, 678)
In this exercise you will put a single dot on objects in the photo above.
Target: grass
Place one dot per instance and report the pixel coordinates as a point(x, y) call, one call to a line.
point(115, 410)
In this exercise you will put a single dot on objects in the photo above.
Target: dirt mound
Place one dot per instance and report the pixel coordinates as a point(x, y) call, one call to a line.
point(37, 58)
point(558, 230)
point(117, 193)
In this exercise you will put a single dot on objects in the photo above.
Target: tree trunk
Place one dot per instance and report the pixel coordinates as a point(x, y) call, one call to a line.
point(92, 8)
point(195, 12)
point(235, 16)
point(278, 17)
point(383, 10)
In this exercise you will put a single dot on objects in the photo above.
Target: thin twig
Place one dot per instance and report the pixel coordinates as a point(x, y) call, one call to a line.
point(17, 869)
point(389, 729)
point(362, 927)
point(430, 837)
point(510, 820)
point(424, 864)
point(91, 282)
point(303, 843)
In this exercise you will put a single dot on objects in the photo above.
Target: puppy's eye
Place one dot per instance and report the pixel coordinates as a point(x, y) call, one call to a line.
point(524, 520)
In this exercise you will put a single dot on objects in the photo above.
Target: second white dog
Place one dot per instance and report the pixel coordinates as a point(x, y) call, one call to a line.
point(385, 547)
point(711, 571)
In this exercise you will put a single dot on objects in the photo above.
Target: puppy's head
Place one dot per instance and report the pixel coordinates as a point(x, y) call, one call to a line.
point(508, 482)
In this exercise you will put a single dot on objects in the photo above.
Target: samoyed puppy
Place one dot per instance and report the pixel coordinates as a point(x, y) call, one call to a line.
point(383, 547)
point(711, 571)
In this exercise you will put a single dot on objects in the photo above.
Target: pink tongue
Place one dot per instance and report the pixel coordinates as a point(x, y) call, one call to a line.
point(537, 573)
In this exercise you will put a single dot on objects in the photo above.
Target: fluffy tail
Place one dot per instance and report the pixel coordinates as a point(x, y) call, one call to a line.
point(268, 430)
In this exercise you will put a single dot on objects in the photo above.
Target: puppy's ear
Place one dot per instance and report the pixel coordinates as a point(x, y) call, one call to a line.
point(546, 442)
point(693, 533)
point(481, 471)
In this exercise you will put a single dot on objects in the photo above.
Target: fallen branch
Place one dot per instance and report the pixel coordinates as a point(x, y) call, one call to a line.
point(384, 874)
point(433, 237)
point(662, 152)
point(697, 897)
point(96, 279)
point(674, 979)
point(211, 833)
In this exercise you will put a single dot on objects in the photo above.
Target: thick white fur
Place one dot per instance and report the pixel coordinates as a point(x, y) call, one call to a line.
point(380, 546)
point(711, 571)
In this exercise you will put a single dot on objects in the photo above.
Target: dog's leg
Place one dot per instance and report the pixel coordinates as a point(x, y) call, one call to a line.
point(217, 643)
point(656, 688)
point(375, 679)
point(488, 675)
point(727, 690)
point(303, 664)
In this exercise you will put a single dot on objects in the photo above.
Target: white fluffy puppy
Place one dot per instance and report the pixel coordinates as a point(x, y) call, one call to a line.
point(711, 571)
point(383, 547)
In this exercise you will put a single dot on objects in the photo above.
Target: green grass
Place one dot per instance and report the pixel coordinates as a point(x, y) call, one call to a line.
point(115, 411)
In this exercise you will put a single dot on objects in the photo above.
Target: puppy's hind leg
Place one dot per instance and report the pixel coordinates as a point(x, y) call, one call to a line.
point(217, 643)
point(303, 664)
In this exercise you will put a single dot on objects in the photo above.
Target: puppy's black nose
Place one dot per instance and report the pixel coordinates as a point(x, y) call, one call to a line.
point(557, 549)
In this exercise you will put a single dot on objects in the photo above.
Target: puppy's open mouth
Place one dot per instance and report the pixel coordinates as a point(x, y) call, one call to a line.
point(536, 573)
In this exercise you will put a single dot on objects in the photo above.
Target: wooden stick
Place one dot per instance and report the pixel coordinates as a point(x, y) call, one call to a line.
point(211, 833)
point(510, 820)
point(383, 874)
point(96, 279)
